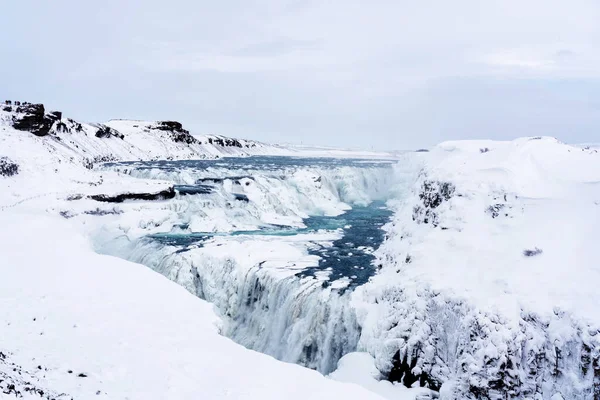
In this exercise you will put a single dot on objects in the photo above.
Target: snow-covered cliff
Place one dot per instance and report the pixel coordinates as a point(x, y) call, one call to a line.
point(489, 282)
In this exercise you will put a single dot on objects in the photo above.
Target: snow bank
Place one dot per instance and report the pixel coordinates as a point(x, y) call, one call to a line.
point(77, 324)
point(488, 280)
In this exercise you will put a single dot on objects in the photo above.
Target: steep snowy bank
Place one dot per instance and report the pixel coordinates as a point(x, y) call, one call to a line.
point(75, 324)
point(488, 286)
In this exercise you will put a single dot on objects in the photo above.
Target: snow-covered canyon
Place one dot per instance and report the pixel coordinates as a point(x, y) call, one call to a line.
point(265, 240)
point(468, 270)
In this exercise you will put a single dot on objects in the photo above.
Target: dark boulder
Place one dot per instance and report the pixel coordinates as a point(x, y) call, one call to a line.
point(107, 132)
point(170, 126)
point(32, 118)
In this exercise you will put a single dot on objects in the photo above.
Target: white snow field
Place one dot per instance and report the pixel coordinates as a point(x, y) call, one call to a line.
point(484, 287)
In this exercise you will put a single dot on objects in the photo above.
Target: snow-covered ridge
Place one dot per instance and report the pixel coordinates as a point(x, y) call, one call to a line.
point(489, 279)
point(29, 128)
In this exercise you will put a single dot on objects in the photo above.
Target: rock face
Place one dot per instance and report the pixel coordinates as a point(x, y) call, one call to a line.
point(432, 195)
point(107, 132)
point(225, 142)
point(32, 118)
point(172, 126)
point(176, 131)
point(55, 115)
point(162, 195)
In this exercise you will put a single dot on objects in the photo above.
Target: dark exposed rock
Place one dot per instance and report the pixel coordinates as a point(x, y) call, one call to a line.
point(494, 210)
point(432, 195)
point(7, 108)
point(402, 371)
point(100, 212)
point(194, 189)
point(67, 214)
point(241, 197)
point(55, 115)
point(176, 131)
point(62, 127)
point(90, 162)
point(8, 167)
point(183, 137)
point(170, 126)
point(119, 198)
point(224, 142)
point(107, 132)
point(32, 118)
point(77, 127)
point(532, 252)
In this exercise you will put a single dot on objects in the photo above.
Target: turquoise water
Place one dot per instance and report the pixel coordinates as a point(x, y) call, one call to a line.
point(260, 163)
point(350, 256)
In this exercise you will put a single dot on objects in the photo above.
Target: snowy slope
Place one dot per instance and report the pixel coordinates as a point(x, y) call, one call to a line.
point(489, 279)
point(79, 325)
point(116, 140)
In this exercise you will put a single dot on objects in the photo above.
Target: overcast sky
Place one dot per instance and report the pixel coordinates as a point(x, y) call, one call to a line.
point(371, 74)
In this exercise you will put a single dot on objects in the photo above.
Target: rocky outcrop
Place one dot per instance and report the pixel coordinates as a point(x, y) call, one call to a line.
point(32, 118)
point(8, 167)
point(107, 132)
point(224, 142)
point(176, 131)
point(171, 126)
point(431, 195)
point(119, 198)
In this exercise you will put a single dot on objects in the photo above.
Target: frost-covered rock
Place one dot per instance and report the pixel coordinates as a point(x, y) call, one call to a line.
point(32, 118)
point(8, 167)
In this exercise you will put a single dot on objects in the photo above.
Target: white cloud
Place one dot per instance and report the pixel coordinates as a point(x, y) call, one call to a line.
point(367, 69)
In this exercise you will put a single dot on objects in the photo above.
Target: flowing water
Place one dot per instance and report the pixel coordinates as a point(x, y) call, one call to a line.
point(276, 243)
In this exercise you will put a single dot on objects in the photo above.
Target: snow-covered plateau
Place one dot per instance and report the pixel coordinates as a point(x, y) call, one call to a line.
point(465, 272)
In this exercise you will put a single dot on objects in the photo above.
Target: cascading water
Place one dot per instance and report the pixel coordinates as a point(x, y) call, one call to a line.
point(273, 242)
